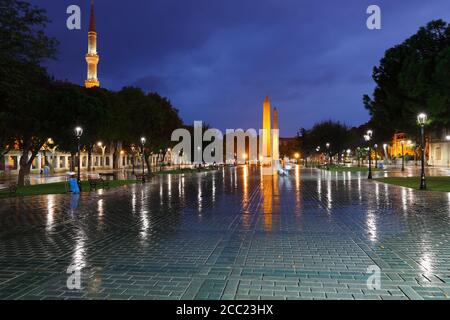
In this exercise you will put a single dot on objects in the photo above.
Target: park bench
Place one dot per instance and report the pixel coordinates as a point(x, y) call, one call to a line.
point(100, 183)
point(139, 177)
point(106, 174)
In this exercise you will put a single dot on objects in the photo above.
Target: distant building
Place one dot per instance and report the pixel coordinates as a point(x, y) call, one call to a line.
point(398, 140)
point(440, 149)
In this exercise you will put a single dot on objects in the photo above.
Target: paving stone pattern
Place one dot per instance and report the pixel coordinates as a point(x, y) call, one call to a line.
point(229, 234)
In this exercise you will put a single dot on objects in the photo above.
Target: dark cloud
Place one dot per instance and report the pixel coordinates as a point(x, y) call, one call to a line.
point(217, 60)
point(152, 83)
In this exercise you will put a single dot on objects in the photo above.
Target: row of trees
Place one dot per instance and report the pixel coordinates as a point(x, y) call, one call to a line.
point(412, 77)
point(35, 107)
point(339, 137)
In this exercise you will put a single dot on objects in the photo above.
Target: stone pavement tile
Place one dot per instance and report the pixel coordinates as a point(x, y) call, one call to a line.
point(310, 235)
point(410, 293)
point(339, 296)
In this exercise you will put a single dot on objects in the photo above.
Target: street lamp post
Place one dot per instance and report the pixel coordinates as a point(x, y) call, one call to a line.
point(101, 146)
point(318, 156)
point(368, 137)
point(143, 140)
point(422, 120)
point(329, 154)
point(376, 155)
point(133, 156)
point(78, 134)
point(403, 154)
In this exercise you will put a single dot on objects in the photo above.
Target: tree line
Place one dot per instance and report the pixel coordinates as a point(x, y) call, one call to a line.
point(35, 107)
point(412, 77)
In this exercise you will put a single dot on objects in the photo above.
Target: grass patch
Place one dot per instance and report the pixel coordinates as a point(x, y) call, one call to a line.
point(433, 183)
point(58, 188)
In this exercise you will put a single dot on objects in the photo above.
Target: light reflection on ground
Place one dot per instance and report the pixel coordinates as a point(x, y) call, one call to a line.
point(229, 234)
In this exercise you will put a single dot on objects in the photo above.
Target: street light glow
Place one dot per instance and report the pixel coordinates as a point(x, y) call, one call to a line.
point(422, 119)
point(78, 132)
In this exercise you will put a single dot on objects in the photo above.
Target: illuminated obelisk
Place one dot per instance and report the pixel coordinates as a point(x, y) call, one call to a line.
point(92, 57)
point(266, 155)
point(275, 139)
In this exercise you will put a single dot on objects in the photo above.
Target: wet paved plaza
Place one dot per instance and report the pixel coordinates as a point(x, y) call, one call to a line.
point(229, 234)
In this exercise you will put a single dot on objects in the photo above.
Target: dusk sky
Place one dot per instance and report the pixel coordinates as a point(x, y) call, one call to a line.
point(216, 60)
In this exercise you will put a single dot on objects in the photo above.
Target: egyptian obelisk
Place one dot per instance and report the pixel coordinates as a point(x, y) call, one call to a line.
point(266, 135)
point(275, 139)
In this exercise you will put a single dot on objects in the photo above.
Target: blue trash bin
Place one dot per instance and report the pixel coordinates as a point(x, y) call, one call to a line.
point(74, 187)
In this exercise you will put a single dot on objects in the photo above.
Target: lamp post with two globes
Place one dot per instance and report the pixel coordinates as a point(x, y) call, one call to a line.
point(329, 154)
point(422, 120)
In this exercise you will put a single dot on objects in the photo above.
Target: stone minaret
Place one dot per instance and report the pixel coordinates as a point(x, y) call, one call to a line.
point(92, 57)
point(266, 135)
point(275, 137)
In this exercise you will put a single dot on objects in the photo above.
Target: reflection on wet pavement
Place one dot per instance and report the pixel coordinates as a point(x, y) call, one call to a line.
point(229, 234)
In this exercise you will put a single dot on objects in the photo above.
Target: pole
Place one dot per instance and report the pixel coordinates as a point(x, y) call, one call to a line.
point(376, 159)
point(423, 183)
point(143, 163)
point(370, 164)
point(79, 162)
point(403, 157)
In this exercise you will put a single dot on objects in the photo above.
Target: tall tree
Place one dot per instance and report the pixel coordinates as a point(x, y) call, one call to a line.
point(137, 114)
point(78, 106)
point(413, 77)
point(24, 85)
